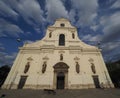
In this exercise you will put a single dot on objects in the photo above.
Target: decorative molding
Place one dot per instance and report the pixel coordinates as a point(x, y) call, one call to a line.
point(47, 46)
point(74, 47)
point(74, 51)
point(29, 48)
point(50, 30)
point(74, 41)
point(30, 52)
point(72, 30)
point(61, 51)
point(76, 58)
point(91, 60)
point(47, 51)
point(49, 41)
point(45, 58)
point(68, 28)
point(29, 58)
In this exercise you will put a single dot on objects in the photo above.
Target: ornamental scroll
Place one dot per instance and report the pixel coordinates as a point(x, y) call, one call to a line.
point(77, 67)
point(44, 67)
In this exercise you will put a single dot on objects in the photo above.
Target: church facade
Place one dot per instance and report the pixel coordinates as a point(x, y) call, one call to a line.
point(59, 61)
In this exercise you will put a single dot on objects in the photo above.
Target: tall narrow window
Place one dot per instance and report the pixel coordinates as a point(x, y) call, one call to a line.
point(73, 35)
point(62, 40)
point(50, 34)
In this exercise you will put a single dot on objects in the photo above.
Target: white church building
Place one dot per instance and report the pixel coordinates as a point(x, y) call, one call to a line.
point(59, 61)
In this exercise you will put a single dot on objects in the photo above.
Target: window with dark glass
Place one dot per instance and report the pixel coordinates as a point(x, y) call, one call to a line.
point(73, 35)
point(50, 34)
point(61, 39)
point(62, 24)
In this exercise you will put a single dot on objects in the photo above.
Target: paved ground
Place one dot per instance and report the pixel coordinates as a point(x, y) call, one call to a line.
point(87, 93)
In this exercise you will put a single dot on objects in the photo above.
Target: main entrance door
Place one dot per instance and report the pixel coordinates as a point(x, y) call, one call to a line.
point(60, 80)
point(96, 81)
point(22, 82)
point(60, 75)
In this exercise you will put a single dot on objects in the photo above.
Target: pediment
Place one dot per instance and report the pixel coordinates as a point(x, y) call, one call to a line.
point(61, 65)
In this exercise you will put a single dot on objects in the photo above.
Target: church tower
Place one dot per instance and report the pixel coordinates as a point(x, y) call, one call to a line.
point(59, 61)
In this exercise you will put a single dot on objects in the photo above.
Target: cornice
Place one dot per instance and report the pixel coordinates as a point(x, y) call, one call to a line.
point(49, 47)
point(51, 28)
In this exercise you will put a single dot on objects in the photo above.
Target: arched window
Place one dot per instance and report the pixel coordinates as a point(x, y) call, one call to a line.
point(62, 40)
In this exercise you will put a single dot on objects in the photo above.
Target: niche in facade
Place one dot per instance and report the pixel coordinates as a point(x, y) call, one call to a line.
point(27, 66)
point(61, 57)
point(77, 67)
point(44, 67)
point(93, 68)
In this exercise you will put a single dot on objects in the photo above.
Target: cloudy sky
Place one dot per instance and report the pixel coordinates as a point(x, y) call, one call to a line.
point(97, 21)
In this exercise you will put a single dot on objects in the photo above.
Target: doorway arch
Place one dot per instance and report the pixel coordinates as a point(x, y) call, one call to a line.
point(60, 76)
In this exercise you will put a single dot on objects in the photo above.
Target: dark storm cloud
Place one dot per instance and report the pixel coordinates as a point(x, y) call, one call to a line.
point(86, 12)
point(7, 59)
point(6, 11)
point(55, 9)
point(111, 27)
point(83, 14)
point(116, 4)
point(29, 10)
point(6, 28)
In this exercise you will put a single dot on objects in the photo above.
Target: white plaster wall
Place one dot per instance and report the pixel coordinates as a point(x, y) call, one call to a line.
point(48, 47)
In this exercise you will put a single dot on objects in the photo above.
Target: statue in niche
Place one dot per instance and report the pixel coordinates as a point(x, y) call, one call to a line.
point(27, 66)
point(77, 67)
point(93, 68)
point(44, 67)
point(61, 57)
